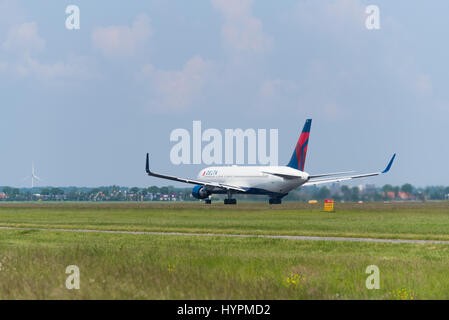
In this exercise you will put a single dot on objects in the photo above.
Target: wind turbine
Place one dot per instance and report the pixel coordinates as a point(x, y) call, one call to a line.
point(33, 176)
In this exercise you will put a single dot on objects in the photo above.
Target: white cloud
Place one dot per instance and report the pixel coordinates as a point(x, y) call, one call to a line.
point(57, 70)
point(342, 67)
point(242, 32)
point(122, 41)
point(23, 43)
point(24, 39)
point(178, 90)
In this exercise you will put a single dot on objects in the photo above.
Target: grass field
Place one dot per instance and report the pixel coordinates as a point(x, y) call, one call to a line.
point(123, 266)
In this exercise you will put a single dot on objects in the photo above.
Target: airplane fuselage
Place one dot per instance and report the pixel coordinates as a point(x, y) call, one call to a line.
point(256, 179)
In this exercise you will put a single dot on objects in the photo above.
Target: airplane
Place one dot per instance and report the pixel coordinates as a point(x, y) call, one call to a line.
point(274, 181)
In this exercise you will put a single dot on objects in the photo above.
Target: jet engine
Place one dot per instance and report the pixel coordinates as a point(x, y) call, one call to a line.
point(200, 192)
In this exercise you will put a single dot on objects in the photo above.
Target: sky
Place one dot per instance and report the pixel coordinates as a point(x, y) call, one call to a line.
point(85, 105)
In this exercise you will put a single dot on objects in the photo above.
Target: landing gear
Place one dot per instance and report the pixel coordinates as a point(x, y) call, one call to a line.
point(208, 201)
point(275, 201)
point(229, 200)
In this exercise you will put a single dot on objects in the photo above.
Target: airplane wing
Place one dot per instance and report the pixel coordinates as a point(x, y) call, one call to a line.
point(338, 179)
point(329, 174)
point(191, 181)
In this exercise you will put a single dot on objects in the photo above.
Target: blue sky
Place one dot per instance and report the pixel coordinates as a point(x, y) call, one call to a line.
point(86, 105)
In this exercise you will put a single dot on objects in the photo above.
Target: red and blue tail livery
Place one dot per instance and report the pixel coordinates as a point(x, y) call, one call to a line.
point(298, 158)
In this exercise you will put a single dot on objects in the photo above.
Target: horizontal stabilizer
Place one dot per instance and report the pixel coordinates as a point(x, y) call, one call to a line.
point(282, 175)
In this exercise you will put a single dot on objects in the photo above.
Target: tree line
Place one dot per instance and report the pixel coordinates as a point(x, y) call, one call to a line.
point(169, 193)
point(406, 192)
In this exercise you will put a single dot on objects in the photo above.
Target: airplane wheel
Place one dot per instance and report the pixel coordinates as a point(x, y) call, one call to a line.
point(274, 201)
point(208, 201)
point(230, 201)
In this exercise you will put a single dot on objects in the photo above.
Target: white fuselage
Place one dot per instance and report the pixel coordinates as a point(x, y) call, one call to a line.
point(274, 179)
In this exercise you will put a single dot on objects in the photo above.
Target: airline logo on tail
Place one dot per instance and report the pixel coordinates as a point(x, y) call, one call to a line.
point(298, 158)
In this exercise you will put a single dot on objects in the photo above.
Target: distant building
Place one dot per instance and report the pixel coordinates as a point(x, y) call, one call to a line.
point(390, 195)
point(404, 195)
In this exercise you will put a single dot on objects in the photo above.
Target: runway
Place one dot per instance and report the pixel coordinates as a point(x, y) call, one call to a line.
point(300, 238)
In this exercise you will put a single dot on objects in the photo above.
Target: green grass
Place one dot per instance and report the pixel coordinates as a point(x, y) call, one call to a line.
point(122, 266)
point(157, 267)
point(377, 220)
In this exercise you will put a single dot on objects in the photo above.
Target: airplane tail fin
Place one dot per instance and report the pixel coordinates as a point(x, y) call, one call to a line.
point(298, 158)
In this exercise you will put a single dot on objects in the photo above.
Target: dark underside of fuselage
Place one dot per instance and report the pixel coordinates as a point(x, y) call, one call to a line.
point(256, 191)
